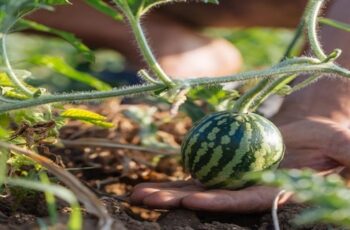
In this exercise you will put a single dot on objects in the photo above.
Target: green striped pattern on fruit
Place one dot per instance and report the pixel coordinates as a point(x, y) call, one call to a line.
point(224, 146)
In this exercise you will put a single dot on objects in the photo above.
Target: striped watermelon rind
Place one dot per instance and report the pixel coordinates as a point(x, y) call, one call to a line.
point(223, 147)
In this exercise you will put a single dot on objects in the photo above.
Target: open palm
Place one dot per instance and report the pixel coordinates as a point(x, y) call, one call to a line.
point(316, 143)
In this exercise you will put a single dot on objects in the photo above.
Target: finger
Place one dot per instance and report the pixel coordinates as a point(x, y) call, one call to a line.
point(308, 158)
point(339, 148)
point(254, 199)
point(143, 190)
point(311, 129)
point(168, 199)
point(172, 184)
point(138, 194)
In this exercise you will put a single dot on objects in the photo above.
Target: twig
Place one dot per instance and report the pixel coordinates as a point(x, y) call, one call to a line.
point(103, 143)
point(275, 209)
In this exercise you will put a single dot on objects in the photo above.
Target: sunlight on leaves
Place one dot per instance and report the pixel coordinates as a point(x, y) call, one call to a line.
point(87, 116)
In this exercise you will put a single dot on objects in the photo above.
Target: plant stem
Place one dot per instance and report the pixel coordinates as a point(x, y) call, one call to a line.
point(81, 96)
point(145, 76)
point(266, 89)
point(103, 143)
point(335, 24)
point(244, 103)
point(279, 83)
point(6, 100)
point(146, 50)
point(312, 12)
point(92, 95)
point(12, 75)
point(312, 17)
point(274, 87)
point(297, 35)
point(306, 82)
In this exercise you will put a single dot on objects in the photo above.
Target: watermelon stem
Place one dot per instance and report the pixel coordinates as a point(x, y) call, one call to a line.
point(258, 94)
point(143, 45)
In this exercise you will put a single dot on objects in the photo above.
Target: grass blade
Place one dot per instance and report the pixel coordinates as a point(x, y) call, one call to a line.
point(3, 166)
point(75, 220)
point(50, 199)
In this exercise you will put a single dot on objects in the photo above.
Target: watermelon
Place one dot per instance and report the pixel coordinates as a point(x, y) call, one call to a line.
point(223, 147)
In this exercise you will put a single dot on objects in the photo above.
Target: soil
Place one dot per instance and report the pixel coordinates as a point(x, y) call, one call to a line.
point(112, 172)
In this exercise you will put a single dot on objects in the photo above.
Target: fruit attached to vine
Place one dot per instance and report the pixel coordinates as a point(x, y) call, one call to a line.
point(225, 146)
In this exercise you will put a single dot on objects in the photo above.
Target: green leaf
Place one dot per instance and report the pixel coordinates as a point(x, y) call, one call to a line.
point(3, 165)
point(216, 97)
point(70, 38)
point(87, 116)
point(17, 161)
point(59, 65)
point(5, 80)
point(12, 93)
point(9, 90)
point(50, 199)
point(105, 8)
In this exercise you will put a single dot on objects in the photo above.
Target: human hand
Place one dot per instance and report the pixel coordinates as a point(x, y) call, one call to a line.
point(314, 142)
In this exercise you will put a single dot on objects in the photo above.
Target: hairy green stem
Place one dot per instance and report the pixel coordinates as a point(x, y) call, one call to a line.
point(265, 88)
point(306, 82)
point(297, 61)
point(321, 68)
point(80, 96)
point(312, 18)
point(334, 23)
point(273, 87)
point(146, 50)
point(84, 96)
point(145, 76)
point(244, 103)
point(7, 100)
point(11, 73)
point(297, 35)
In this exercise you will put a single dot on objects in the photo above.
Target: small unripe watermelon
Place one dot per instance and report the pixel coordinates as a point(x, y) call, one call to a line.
point(224, 146)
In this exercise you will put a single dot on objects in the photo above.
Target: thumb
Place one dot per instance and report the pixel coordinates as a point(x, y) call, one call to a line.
point(339, 150)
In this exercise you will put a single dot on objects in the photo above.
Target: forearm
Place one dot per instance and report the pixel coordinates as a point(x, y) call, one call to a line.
point(329, 97)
